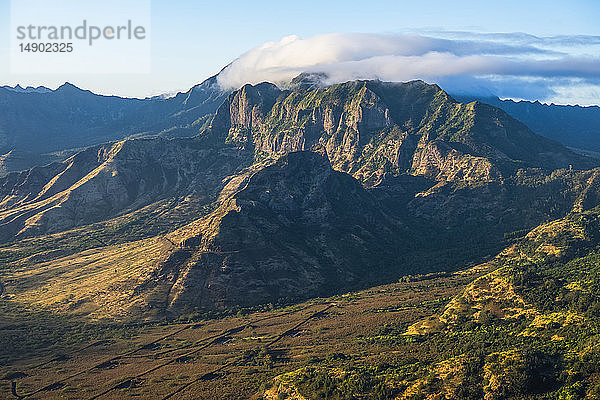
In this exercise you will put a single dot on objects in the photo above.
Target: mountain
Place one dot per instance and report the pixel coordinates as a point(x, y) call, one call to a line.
point(283, 195)
point(371, 128)
point(16, 160)
point(103, 181)
point(41, 121)
point(292, 230)
point(573, 126)
point(28, 89)
point(44, 121)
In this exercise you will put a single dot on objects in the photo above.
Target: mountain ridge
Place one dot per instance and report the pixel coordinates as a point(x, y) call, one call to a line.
point(283, 120)
point(572, 125)
point(69, 117)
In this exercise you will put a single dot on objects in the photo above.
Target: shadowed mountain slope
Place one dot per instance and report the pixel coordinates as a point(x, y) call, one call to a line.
point(573, 126)
point(295, 229)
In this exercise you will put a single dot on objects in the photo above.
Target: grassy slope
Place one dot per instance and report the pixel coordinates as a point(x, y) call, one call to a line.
point(528, 329)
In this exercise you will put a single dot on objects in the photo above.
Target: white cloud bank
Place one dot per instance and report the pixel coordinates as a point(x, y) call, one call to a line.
point(507, 65)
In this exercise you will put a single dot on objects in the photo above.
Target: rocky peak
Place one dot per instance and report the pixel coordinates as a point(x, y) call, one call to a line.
point(244, 110)
point(373, 128)
point(69, 88)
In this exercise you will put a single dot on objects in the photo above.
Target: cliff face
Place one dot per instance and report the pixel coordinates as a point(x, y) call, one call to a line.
point(369, 129)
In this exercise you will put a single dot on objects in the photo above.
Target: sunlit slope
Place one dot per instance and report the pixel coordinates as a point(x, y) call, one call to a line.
point(105, 181)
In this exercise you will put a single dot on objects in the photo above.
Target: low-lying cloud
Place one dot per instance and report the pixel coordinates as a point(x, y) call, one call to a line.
point(507, 65)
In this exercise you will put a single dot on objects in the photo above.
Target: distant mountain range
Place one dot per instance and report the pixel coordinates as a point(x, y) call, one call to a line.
point(573, 126)
point(40, 121)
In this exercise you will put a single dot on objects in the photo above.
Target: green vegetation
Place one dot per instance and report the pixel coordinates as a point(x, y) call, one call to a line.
point(529, 328)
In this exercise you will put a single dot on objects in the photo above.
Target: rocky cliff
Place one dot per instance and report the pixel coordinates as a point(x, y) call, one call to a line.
point(370, 128)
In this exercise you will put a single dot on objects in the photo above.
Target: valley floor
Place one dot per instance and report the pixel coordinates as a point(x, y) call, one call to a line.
point(233, 357)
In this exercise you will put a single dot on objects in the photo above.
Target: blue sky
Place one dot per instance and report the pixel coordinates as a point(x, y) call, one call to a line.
point(192, 40)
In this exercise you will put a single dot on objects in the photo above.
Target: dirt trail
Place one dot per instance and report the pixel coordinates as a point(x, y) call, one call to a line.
point(212, 374)
point(117, 357)
point(205, 343)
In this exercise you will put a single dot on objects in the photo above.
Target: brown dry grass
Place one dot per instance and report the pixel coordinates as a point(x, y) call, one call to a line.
point(341, 329)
